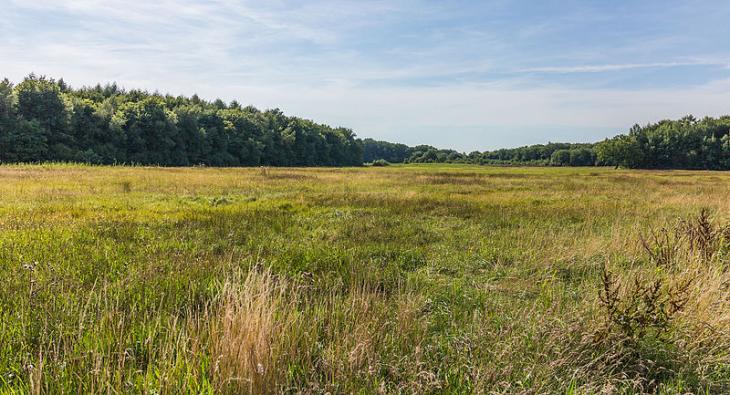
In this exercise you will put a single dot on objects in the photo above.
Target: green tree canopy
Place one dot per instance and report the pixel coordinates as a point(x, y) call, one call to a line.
point(46, 120)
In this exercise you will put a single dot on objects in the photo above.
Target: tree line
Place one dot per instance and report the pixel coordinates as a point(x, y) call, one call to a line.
point(551, 154)
point(42, 119)
point(687, 143)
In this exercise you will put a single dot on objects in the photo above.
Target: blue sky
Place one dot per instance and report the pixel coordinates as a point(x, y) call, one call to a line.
point(470, 75)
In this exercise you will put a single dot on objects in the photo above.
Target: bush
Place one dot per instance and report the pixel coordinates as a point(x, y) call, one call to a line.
point(380, 163)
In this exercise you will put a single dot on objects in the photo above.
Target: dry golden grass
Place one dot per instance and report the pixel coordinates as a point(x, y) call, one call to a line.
point(243, 330)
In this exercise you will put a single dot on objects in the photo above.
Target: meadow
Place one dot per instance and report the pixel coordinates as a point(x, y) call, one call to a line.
point(399, 279)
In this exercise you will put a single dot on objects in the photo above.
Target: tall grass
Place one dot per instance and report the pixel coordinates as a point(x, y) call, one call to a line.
point(401, 279)
point(250, 318)
point(661, 326)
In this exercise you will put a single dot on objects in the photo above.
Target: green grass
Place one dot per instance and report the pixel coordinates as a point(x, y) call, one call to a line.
point(419, 278)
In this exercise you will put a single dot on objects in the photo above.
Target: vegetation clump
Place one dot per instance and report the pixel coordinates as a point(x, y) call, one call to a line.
point(380, 163)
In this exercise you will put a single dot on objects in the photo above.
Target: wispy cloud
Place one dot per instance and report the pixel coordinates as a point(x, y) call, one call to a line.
point(471, 117)
point(614, 67)
point(469, 74)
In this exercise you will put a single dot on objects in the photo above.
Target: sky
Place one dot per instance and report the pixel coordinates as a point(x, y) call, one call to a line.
point(468, 75)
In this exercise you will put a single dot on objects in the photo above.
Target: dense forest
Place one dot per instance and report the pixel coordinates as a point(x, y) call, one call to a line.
point(42, 119)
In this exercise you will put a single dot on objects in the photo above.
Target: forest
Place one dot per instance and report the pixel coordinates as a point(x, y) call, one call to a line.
point(45, 120)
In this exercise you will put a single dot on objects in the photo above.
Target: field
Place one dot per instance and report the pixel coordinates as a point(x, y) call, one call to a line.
point(401, 279)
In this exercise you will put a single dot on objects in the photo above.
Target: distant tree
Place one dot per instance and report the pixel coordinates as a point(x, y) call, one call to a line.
point(150, 131)
point(391, 152)
point(725, 152)
point(219, 104)
point(474, 157)
point(216, 139)
point(28, 143)
point(622, 150)
point(40, 100)
point(560, 157)
point(244, 134)
point(454, 157)
point(582, 157)
point(190, 135)
point(96, 141)
point(7, 118)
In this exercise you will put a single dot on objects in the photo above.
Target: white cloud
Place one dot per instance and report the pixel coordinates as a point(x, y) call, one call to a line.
point(471, 117)
point(298, 57)
point(614, 67)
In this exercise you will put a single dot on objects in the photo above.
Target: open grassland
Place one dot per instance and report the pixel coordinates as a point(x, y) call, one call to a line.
point(411, 279)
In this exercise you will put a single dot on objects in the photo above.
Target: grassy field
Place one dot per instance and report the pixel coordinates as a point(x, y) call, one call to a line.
point(403, 279)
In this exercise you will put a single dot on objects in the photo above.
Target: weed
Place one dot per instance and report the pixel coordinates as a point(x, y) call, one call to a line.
point(646, 312)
